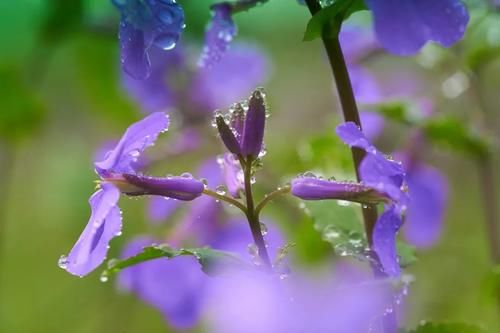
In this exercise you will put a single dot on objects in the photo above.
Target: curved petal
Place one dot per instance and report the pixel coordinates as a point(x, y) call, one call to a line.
point(134, 58)
point(136, 139)
point(384, 240)
point(104, 224)
point(403, 27)
point(428, 190)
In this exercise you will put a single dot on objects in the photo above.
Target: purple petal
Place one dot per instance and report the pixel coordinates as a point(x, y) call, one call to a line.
point(161, 208)
point(233, 175)
point(403, 27)
point(134, 58)
point(227, 135)
point(253, 131)
point(181, 188)
point(384, 240)
point(104, 224)
point(384, 175)
point(231, 79)
point(356, 42)
point(351, 135)
point(175, 287)
point(220, 32)
point(309, 188)
point(136, 139)
point(428, 192)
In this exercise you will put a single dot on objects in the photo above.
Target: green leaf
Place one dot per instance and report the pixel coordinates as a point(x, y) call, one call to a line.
point(211, 260)
point(446, 328)
point(325, 152)
point(341, 226)
point(327, 21)
point(453, 133)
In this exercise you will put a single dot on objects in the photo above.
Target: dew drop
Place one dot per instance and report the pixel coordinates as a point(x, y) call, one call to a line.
point(263, 229)
point(63, 262)
point(166, 41)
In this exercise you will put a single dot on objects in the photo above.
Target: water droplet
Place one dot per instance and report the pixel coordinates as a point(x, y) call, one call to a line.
point(186, 175)
point(263, 229)
point(166, 41)
point(221, 190)
point(343, 203)
point(166, 16)
point(103, 278)
point(63, 262)
point(331, 233)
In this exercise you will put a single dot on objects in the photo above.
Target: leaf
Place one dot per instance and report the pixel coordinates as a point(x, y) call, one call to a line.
point(453, 133)
point(328, 20)
point(211, 260)
point(341, 226)
point(325, 152)
point(446, 328)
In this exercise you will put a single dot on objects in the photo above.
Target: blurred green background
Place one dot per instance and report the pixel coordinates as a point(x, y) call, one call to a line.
point(60, 97)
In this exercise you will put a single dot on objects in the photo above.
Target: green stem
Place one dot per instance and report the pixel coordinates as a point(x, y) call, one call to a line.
point(225, 198)
point(269, 197)
point(349, 108)
point(251, 213)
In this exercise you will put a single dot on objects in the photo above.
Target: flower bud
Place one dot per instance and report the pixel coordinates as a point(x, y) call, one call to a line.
point(253, 131)
point(227, 136)
point(180, 187)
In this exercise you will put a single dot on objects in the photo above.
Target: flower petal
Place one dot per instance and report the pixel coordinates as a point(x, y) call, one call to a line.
point(105, 223)
point(384, 240)
point(233, 174)
point(351, 135)
point(136, 139)
point(179, 187)
point(403, 27)
point(134, 58)
point(428, 192)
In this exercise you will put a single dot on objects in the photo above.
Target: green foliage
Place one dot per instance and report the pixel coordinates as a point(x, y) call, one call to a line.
point(327, 21)
point(490, 286)
point(341, 226)
point(211, 260)
point(325, 152)
point(62, 19)
point(453, 133)
point(21, 112)
point(446, 328)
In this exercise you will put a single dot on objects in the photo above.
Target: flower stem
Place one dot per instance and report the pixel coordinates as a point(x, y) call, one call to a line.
point(349, 108)
point(269, 197)
point(225, 198)
point(251, 213)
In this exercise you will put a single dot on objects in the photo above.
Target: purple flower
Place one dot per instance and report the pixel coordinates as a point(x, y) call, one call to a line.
point(220, 32)
point(243, 134)
point(174, 287)
point(182, 301)
point(118, 174)
point(232, 78)
point(428, 189)
point(403, 27)
point(385, 176)
point(146, 24)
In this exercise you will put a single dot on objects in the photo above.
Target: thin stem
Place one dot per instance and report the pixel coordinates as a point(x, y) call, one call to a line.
point(269, 197)
point(349, 108)
point(253, 218)
point(225, 198)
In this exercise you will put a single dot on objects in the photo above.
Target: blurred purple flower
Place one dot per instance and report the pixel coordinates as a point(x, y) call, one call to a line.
point(403, 27)
point(232, 78)
point(428, 190)
point(147, 24)
point(182, 300)
point(219, 34)
point(296, 304)
point(233, 174)
point(117, 172)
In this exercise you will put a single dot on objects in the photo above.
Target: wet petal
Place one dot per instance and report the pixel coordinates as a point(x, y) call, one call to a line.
point(220, 32)
point(157, 283)
point(255, 121)
point(384, 240)
point(136, 139)
point(351, 135)
point(105, 223)
point(403, 27)
point(134, 58)
point(179, 187)
point(428, 190)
